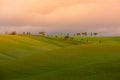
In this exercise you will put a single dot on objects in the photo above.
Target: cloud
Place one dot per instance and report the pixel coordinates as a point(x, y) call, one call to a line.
point(60, 15)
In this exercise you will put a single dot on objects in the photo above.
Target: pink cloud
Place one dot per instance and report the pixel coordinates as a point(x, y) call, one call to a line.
point(60, 14)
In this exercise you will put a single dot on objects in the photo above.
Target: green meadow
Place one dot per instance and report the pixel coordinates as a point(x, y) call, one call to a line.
point(33, 57)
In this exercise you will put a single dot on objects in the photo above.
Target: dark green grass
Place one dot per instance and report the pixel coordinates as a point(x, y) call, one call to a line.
point(73, 63)
point(90, 61)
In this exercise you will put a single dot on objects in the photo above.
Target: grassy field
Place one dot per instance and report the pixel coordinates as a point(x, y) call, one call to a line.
point(52, 58)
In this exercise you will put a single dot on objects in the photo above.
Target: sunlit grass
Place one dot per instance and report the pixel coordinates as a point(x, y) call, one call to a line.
point(52, 58)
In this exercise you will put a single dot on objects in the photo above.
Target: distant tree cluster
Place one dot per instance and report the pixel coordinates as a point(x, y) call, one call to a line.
point(78, 34)
point(26, 33)
point(66, 35)
point(42, 33)
point(86, 34)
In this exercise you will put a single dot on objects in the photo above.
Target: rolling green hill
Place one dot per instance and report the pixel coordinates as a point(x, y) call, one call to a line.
point(18, 46)
point(44, 58)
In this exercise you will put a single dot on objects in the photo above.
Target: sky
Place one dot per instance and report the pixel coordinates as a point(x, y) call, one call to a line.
point(60, 16)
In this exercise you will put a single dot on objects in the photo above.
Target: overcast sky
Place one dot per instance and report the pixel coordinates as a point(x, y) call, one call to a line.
point(57, 16)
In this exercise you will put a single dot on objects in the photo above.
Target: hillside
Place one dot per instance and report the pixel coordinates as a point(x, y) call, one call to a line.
point(18, 46)
point(88, 61)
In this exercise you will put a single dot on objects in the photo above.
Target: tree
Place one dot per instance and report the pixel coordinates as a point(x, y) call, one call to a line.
point(84, 33)
point(13, 33)
point(95, 34)
point(78, 34)
point(91, 34)
point(66, 37)
point(72, 38)
point(29, 33)
point(42, 33)
point(23, 33)
point(82, 39)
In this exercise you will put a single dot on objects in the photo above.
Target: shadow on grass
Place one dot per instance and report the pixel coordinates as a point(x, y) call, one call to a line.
point(2, 77)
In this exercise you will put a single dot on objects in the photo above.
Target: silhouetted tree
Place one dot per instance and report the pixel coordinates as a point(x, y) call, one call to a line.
point(91, 34)
point(66, 37)
point(82, 39)
point(95, 34)
point(13, 33)
point(42, 33)
point(29, 33)
point(84, 33)
point(23, 33)
point(72, 38)
point(78, 34)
